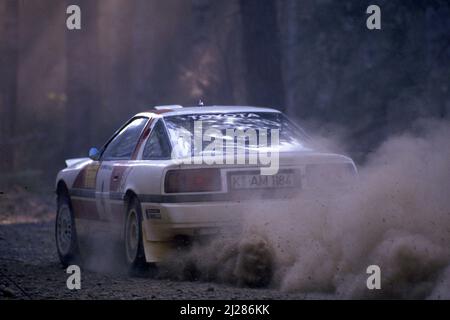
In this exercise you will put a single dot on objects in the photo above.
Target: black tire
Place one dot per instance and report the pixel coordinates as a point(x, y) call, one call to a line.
point(133, 239)
point(65, 233)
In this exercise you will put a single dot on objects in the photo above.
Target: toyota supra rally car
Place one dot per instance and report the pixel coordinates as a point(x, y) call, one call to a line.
point(175, 172)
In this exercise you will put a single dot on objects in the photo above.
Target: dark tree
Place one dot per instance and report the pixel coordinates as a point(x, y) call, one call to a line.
point(8, 81)
point(262, 53)
point(116, 49)
point(82, 79)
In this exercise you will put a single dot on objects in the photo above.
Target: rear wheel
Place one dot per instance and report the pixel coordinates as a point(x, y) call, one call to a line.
point(65, 233)
point(134, 247)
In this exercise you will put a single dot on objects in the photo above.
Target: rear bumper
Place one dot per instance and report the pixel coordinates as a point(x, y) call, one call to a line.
point(162, 222)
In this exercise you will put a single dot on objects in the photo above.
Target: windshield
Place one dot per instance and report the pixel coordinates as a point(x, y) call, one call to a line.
point(260, 129)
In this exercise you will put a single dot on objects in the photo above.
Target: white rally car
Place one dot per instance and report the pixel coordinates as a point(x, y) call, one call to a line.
point(152, 183)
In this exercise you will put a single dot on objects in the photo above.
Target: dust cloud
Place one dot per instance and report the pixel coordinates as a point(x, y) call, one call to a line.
point(396, 215)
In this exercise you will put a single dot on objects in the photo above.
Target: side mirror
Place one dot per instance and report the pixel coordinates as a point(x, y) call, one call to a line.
point(94, 153)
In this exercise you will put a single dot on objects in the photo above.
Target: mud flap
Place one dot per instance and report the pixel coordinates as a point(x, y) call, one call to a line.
point(155, 251)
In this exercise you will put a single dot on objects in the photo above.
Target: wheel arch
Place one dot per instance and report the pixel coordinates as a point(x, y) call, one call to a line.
point(129, 195)
point(62, 189)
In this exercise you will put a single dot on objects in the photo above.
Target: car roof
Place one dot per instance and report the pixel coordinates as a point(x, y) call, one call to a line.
point(204, 110)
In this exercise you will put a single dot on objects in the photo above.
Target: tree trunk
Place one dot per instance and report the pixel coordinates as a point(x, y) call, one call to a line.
point(8, 82)
point(262, 53)
point(82, 87)
point(116, 46)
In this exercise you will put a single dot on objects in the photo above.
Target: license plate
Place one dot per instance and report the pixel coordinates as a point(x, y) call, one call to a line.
point(257, 181)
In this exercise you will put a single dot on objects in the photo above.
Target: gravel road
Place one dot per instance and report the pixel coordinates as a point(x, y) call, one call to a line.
point(29, 266)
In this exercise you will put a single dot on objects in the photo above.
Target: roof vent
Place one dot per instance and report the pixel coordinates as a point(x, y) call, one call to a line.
point(169, 107)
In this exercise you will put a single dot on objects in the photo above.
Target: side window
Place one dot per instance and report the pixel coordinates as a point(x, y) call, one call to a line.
point(123, 145)
point(158, 145)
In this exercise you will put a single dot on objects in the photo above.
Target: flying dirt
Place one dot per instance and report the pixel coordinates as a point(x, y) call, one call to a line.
point(396, 216)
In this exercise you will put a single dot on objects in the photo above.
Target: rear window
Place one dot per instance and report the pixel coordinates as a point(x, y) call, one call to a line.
point(181, 129)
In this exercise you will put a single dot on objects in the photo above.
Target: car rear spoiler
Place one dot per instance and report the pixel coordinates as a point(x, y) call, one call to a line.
point(72, 162)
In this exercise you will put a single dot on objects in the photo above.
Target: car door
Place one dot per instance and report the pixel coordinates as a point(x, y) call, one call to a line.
point(114, 164)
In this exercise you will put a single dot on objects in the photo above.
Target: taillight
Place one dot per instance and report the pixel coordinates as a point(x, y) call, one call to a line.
point(323, 175)
point(192, 180)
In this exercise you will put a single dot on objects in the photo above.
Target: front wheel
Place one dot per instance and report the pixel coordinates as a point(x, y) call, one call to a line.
point(65, 233)
point(134, 247)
